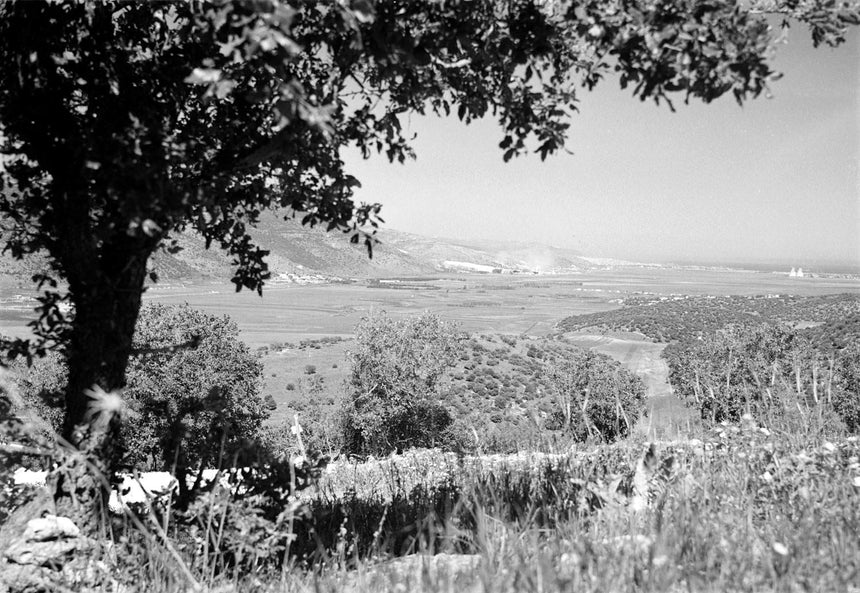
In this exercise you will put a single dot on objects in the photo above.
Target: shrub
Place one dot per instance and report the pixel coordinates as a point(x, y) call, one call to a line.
point(193, 404)
point(846, 393)
point(392, 403)
point(596, 397)
point(310, 369)
point(192, 387)
point(742, 369)
point(41, 386)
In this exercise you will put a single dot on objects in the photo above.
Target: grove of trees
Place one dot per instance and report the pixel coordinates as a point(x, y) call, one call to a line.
point(123, 124)
point(765, 370)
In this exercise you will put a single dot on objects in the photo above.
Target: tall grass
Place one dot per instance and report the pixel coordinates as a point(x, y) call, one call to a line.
point(745, 510)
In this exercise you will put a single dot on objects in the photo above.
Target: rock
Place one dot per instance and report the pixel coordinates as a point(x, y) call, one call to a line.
point(50, 554)
point(12, 530)
point(43, 552)
point(50, 527)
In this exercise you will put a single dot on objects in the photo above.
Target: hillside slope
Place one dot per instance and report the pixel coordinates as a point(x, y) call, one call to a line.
point(300, 251)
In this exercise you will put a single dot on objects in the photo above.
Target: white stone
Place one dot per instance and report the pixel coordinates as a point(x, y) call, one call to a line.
point(50, 527)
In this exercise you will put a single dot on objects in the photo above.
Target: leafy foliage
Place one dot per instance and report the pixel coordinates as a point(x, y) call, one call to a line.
point(596, 398)
point(193, 396)
point(846, 393)
point(770, 371)
point(397, 369)
point(667, 319)
point(124, 123)
point(41, 387)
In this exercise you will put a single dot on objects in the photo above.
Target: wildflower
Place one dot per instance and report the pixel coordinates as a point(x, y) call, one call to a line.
point(780, 549)
point(857, 481)
point(766, 477)
point(103, 406)
point(829, 447)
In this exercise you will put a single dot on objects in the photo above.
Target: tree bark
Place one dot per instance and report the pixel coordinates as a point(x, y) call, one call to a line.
point(107, 298)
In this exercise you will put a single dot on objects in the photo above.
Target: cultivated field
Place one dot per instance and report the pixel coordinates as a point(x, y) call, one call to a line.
point(295, 327)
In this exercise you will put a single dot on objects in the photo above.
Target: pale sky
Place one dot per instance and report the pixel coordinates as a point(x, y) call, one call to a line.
point(776, 180)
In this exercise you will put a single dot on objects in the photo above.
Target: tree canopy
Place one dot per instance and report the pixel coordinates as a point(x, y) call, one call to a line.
point(396, 380)
point(193, 393)
point(123, 124)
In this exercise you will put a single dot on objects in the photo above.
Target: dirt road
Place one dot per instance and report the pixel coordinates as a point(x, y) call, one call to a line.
point(666, 416)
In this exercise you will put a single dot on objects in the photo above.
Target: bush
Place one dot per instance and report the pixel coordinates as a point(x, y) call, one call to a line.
point(193, 404)
point(42, 386)
point(393, 399)
point(193, 390)
point(846, 392)
point(771, 372)
point(727, 373)
point(596, 397)
point(310, 369)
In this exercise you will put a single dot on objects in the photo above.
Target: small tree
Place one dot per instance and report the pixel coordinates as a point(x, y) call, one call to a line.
point(846, 388)
point(596, 397)
point(397, 369)
point(746, 368)
point(193, 391)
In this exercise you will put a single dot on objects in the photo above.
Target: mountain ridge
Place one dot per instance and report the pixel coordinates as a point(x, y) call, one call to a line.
point(297, 252)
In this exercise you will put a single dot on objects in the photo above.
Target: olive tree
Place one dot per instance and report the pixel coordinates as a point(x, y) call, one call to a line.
point(398, 366)
point(596, 397)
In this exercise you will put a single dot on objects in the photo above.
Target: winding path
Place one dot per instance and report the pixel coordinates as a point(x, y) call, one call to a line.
point(667, 417)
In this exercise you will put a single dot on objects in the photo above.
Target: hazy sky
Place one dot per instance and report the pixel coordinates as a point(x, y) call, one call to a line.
point(778, 179)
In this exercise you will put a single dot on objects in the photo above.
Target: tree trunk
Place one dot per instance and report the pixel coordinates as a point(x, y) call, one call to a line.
point(106, 306)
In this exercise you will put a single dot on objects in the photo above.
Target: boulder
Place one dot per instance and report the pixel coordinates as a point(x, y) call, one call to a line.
point(45, 551)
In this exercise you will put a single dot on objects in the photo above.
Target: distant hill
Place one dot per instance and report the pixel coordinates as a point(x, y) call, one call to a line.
point(297, 251)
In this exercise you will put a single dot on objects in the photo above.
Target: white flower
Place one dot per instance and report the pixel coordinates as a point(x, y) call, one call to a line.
point(766, 477)
point(802, 457)
point(829, 447)
point(780, 549)
point(857, 481)
point(103, 406)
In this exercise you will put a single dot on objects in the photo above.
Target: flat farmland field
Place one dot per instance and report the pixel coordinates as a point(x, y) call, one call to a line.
point(529, 305)
point(516, 304)
point(289, 313)
point(323, 316)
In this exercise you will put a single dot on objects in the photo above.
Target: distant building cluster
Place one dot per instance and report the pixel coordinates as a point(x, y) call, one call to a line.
point(796, 273)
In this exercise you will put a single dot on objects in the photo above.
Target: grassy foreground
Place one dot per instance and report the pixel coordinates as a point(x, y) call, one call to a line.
point(742, 509)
